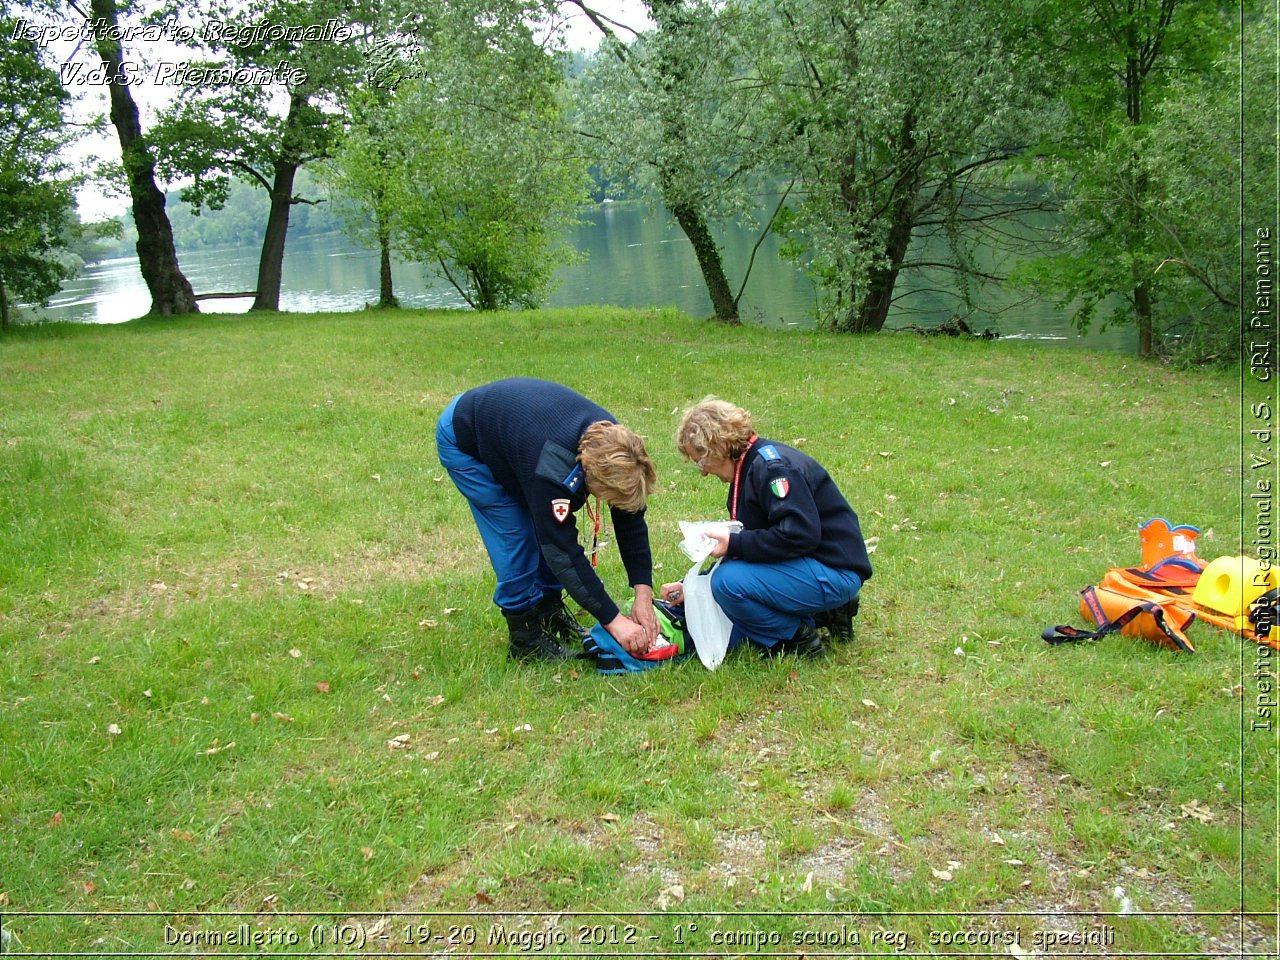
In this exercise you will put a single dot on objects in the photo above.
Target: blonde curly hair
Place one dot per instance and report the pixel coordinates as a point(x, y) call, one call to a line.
point(716, 428)
point(617, 465)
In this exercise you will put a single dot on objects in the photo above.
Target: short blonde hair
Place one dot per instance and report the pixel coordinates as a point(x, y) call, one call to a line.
point(714, 428)
point(617, 465)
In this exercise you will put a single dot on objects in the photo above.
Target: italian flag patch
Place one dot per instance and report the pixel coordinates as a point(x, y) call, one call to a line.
point(780, 487)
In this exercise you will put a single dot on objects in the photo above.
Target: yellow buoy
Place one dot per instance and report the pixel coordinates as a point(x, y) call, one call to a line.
point(1229, 585)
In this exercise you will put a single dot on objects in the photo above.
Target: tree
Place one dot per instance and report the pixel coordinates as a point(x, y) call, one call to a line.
point(1129, 62)
point(36, 202)
point(901, 116)
point(171, 292)
point(487, 185)
point(666, 113)
point(225, 123)
point(362, 175)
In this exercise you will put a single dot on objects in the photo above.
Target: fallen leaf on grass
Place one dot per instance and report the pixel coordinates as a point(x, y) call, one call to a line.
point(217, 749)
point(943, 875)
point(186, 836)
point(295, 653)
point(55, 820)
point(807, 886)
point(89, 887)
point(367, 853)
point(322, 686)
point(1197, 812)
point(670, 895)
point(399, 743)
point(113, 729)
point(871, 703)
point(282, 717)
point(482, 897)
point(436, 700)
point(610, 818)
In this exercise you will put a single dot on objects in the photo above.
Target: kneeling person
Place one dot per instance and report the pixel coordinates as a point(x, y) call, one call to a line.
point(799, 558)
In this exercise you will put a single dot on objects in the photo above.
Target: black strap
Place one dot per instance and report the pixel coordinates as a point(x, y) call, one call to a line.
point(1067, 634)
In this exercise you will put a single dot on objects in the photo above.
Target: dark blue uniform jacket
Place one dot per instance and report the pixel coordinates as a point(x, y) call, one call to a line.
point(790, 507)
point(527, 431)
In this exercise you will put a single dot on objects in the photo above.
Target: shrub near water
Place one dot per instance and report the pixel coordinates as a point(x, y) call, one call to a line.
point(251, 664)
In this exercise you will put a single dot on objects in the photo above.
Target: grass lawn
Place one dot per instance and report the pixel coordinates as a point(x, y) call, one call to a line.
point(233, 573)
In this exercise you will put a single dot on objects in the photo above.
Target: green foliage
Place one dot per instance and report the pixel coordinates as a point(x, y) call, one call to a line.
point(895, 116)
point(474, 174)
point(1146, 159)
point(37, 208)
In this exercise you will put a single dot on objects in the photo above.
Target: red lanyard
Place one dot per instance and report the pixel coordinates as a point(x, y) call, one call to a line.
point(737, 477)
point(596, 519)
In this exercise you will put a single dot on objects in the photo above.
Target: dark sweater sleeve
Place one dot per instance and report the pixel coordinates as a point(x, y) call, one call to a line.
point(632, 532)
point(559, 539)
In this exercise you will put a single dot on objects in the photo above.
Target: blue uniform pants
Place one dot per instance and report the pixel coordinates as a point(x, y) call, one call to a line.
point(505, 526)
point(767, 602)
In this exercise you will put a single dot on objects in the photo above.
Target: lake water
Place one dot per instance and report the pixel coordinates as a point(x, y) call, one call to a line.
point(635, 258)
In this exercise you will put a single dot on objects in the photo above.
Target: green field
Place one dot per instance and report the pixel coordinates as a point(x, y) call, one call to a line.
point(233, 573)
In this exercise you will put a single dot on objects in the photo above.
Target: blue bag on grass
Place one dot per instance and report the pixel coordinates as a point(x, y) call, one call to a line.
point(675, 643)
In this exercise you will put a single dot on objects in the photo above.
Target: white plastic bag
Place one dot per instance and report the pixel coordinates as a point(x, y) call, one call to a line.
point(707, 623)
point(696, 544)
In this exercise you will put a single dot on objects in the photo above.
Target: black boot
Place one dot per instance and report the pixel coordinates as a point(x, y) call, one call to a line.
point(837, 623)
point(559, 623)
point(528, 639)
point(806, 643)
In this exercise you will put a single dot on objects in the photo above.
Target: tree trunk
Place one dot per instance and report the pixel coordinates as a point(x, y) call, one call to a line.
point(271, 262)
point(4, 306)
point(869, 315)
point(386, 296)
point(705, 249)
point(669, 17)
point(1142, 311)
point(171, 292)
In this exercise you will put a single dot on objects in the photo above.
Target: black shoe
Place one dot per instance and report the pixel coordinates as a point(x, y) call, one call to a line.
point(837, 623)
point(558, 622)
point(806, 643)
point(529, 641)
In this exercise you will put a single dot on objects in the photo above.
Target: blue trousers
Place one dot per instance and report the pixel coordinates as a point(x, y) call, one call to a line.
point(767, 602)
point(505, 526)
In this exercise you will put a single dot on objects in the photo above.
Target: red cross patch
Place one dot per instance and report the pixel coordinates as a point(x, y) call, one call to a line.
point(560, 510)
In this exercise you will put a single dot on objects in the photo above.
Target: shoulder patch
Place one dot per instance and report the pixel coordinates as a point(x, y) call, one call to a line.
point(575, 479)
point(780, 487)
point(560, 509)
point(769, 452)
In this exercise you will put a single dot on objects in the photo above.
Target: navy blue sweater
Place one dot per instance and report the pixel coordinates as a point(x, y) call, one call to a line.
point(527, 432)
point(790, 507)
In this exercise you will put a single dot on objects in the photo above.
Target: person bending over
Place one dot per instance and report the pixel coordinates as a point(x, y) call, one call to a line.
point(799, 558)
point(527, 454)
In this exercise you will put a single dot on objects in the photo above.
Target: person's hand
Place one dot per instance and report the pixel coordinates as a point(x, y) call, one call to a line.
point(629, 634)
point(673, 592)
point(722, 543)
point(642, 613)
